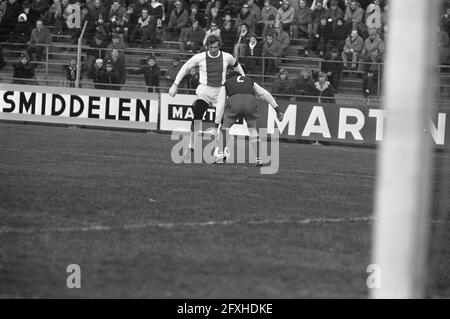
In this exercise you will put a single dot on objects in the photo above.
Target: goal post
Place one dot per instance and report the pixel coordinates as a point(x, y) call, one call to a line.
point(403, 189)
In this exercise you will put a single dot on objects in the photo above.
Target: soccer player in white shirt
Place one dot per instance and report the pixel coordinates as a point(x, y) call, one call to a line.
point(213, 66)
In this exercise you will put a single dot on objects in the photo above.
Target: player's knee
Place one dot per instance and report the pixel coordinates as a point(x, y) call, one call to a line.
point(199, 107)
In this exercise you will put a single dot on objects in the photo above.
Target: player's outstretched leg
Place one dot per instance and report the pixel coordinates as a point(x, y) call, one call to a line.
point(199, 108)
point(254, 144)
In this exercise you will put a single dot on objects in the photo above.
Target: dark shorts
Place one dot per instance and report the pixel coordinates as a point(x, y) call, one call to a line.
point(241, 106)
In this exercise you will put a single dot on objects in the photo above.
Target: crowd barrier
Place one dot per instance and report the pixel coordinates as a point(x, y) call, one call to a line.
point(358, 124)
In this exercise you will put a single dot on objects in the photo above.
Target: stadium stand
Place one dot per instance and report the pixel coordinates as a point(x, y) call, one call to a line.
point(312, 29)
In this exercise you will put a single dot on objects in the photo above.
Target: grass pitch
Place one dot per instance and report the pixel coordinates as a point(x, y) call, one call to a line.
point(140, 226)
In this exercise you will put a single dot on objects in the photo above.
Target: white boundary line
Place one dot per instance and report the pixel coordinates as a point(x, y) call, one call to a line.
point(211, 223)
point(166, 225)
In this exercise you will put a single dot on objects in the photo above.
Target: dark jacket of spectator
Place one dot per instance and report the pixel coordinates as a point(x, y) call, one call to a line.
point(178, 19)
point(11, 13)
point(40, 6)
point(283, 38)
point(195, 36)
point(283, 85)
point(248, 18)
point(354, 16)
point(273, 49)
point(21, 32)
point(112, 80)
point(23, 71)
point(324, 91)
point(302, 16)
point(267, 12)
point(139, 6)
point(98, 75)
point(228, 39)
point(156, 10)
point(43, 36)
point(119, 67)
point(151, 74)
point(98, 12)
point(316, 15)
point(305, 84)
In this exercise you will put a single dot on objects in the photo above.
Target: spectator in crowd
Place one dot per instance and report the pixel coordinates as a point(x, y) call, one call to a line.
point(90, 27)
point(302, 25)
point(318, 41)
point(228, 18)
point(305, 85)
point(256, 12)
point(151, 74)
point(131, 19)
point(352, 49)
point(112, 79)
point(99, 12)
point(23, 71)
point(282, 37)
point(9, 19)
point(40, 7)
point(267, 10)
point(177, 21)
point(98, 74)
point(319, 13)
point(156, 10)
point(283, 84)
point(140, 5)
point(21, 31)
point(32, 15)
point(245, 16)
point(445, 19)
point(174, 68)
point(354, 15)
point(191, 81)
point(332, 67)
point(71, 73)
point(241, 46)
point(323, 89)
point(213, 30)
point(444, 46)
point(118, 62)
point(214, 16)
point(234, 6)
point(97, 49)
point(40, 37)
point(370, 78)
point(372, 43)
point(338, 35)
point(61, 25)
point(196, 16)
point(334, 14)
point(228, 36)
point(117, 42)
point(116, 10)
point(254, 52)
point(191, 39)
point(213, 4)
point(269, 27)
point(271, 49)
point(285, 15)
point(145, 30)
point(54, 14)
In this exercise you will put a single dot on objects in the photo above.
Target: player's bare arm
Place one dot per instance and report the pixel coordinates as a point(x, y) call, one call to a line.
point(263, 94)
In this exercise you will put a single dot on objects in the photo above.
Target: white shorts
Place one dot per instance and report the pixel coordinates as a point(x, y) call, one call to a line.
point(208, 93)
